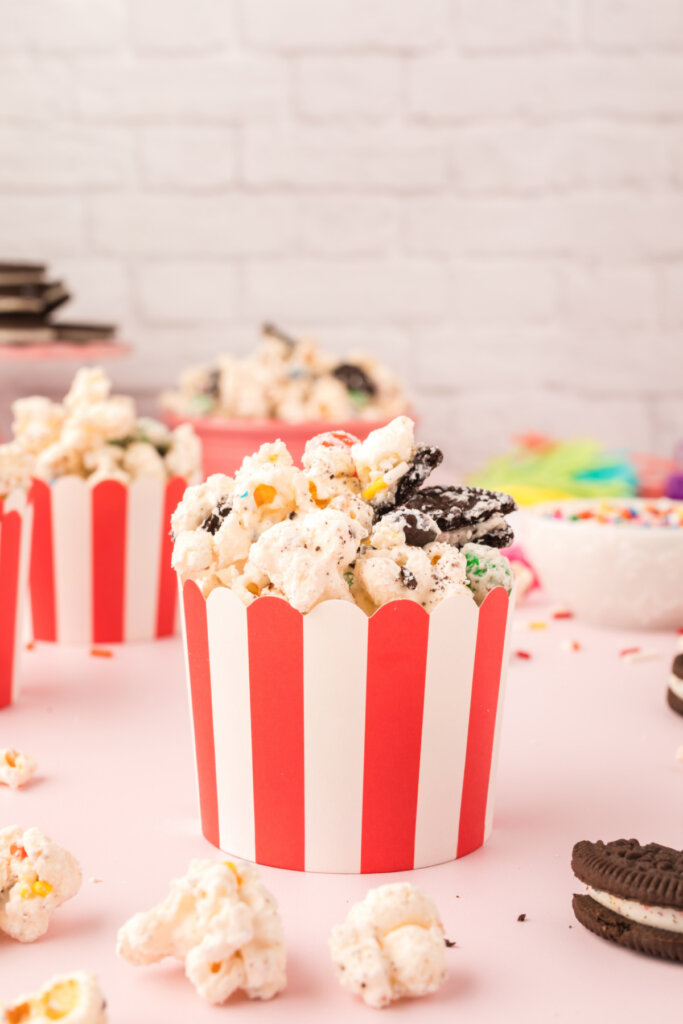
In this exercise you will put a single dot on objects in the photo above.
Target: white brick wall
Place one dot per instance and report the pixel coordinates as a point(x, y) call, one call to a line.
point(489, 193)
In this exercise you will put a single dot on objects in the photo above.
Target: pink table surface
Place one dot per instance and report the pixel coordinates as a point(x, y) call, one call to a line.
point(587, 752)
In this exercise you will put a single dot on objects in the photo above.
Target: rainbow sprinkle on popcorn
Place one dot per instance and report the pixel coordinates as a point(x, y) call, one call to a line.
point(667, 514)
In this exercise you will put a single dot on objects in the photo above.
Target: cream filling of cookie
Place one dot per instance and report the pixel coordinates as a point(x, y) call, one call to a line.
point(676, 685)
point(467, 534)
point(669, 919)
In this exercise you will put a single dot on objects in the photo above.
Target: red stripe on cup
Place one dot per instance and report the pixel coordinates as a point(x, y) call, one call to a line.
point(168, 583)
point(109, 501)
point(276, 673)
point(397, 662)
point(10, 543)
point(42, 564)
point(488, 660)
point(202, 710)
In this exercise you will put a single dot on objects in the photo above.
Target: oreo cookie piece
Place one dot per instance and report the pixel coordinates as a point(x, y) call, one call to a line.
point(467, 514)
point(674, 694)
point(21, 273)
point(426, 458)
point(354, 378)
point(634, 895)
point(274, 332)
point(214, 520)
point(418, 528)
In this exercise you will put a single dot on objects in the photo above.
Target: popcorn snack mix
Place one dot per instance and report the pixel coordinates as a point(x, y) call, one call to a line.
point(390, 946)
point(289, 379)
point(352, 525)
point(97, 435)
point(36, 876)
point(15, 768)
point(223, 923)
point(70, 998)
point(16, 466)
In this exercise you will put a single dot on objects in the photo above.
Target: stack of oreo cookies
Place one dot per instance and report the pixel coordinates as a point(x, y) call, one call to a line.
point(28, 298)
point(456, 515)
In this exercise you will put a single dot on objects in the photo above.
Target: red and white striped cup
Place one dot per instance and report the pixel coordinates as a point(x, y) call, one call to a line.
point(101, 560)
point(334, 742)
point(15, 542)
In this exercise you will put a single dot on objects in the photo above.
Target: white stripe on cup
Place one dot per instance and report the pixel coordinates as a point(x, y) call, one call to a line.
point(230, 698)
point(445, 720)
point(143, 553)
point(72, 552)
point(335, 671)
point(22, 505)
point(490, 802)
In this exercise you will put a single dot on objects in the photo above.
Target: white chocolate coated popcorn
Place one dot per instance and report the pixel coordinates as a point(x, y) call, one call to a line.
point(15, 768)
point(383, 458)
point(305, 558)
point(16, 467)
point(70, 998)
point(322, 532)
point(98, 435)
point(223, 923)
point(486, 568)
point(292, 380)
point(36, 876)
point(390, 946)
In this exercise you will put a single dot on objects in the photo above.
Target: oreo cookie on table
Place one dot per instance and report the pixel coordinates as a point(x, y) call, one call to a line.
point(467, 514)
point(634, 895)
point(674, 694)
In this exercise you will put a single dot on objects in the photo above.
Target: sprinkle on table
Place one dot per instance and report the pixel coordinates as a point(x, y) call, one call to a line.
point(634, 654)
point(525, 655)
point(538, 625)
point(570, 645)
point(562, 613)
point(30, 645)
point(100, 652)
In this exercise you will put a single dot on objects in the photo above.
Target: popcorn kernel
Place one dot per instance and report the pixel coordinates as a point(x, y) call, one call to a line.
point(41, 888)
point(18, 1014)
point(61, 1000)
point(264, 494)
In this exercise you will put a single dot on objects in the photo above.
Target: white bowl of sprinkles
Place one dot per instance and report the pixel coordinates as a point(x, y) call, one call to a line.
point(613, 562)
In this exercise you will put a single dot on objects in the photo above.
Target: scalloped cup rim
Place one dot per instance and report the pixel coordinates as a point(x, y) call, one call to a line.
point(348, 604)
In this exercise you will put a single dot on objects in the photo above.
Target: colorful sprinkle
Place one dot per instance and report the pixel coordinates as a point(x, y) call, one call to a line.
point(563, 613)
point(525, 655)
point(538, 625)
point(99, 652)
point(570, 645)
point(638, 654)
point(661, 514)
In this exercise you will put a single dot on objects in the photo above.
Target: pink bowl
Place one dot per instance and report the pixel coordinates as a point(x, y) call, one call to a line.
point(225, 442)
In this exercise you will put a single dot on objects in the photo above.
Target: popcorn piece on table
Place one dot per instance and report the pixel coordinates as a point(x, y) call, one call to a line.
point(390, 946)
point(36, 876)
point(223, 923)
point(15, 768)
point(71, 998)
